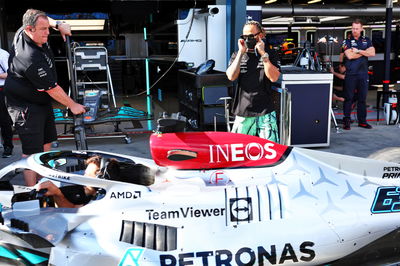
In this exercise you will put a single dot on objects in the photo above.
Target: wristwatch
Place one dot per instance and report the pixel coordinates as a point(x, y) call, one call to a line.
point(265, 56)
point(58, 23)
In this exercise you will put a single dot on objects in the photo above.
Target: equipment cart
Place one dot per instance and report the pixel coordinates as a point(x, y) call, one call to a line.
point(91, 85)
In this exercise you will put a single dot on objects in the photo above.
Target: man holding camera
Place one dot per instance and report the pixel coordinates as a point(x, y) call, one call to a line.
point(255, 67)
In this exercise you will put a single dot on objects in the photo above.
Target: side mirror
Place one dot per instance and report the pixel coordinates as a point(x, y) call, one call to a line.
point(57, 162)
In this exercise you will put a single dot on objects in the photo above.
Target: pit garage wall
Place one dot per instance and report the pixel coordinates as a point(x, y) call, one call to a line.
point(206, 39)
point(214, 36)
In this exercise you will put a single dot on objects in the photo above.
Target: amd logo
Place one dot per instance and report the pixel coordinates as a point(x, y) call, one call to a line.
point(239, 152)
point(125, 195)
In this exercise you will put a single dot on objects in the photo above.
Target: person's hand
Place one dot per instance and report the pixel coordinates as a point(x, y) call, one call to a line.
point(91, 170)
point(355, 50)
point(242, 46)
point(65, 30)
point(331, 69)
point(260, 46)
point(77, 109)
point(52, 190)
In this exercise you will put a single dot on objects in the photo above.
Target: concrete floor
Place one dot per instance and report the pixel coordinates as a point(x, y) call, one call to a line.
point(362, 142)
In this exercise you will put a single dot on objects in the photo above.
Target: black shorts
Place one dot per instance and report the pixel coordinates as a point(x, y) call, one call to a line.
point(35, 126)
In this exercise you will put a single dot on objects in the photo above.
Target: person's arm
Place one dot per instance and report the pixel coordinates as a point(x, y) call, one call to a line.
point(58, 94)
point(337, 74)
point(338, 88)
point(368, 52)
point(63, 27)
point(341, 57)
point(233, 70)
point(3, 67)
point(271, 71)
point(352, 54)
point(62, 202)
point(55, 192)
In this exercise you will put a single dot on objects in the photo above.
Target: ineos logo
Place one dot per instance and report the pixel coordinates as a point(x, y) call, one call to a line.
point(239, 152)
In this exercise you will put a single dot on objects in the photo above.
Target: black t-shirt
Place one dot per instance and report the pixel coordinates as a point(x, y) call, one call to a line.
point(253, 92)
point(31, 72)
point(338, 81)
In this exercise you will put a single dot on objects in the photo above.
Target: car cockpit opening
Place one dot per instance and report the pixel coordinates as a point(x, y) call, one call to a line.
point(74, 178)
point(100, 165)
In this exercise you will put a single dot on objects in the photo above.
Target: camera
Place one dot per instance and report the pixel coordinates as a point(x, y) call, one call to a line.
point(250, 43)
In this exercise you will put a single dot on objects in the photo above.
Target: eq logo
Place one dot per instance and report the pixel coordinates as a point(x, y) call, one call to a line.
point(387, 199)
point(241, 209)
point(131, 257)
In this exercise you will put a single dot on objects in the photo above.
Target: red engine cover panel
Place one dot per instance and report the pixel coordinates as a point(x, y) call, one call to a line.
point(208, 150)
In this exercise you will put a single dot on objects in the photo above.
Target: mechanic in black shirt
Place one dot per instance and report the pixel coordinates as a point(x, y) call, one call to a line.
point(31, 85)
point(357, 49)
point(255, 66)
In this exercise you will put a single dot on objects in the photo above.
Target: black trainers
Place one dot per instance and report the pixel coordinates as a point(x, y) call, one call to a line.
point(7, 152)
point(365, 125)
point(346, 124)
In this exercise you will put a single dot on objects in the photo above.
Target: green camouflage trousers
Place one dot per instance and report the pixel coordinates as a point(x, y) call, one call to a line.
point(263, 126)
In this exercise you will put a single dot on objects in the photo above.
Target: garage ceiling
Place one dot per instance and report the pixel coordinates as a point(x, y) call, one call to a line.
point(133, 15)
point(322, 2)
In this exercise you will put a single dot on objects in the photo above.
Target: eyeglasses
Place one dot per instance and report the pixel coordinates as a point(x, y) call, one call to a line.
point(250, 36)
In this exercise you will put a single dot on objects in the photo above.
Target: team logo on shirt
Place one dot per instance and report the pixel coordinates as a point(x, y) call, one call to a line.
point(344, 44)
point(364, 42)
point(49, 62)
point(41, 72)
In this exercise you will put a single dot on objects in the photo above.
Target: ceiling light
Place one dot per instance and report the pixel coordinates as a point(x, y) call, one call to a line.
point(313, 1)
point(278, 20)
point(332, 18)
point(395, 1)
point(86, 24)
point(270, 1)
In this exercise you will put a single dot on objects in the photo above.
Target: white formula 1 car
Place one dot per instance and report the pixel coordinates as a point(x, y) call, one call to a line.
point(215, 198)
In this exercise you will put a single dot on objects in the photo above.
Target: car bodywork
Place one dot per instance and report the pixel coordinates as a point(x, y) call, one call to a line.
point(217, 199)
